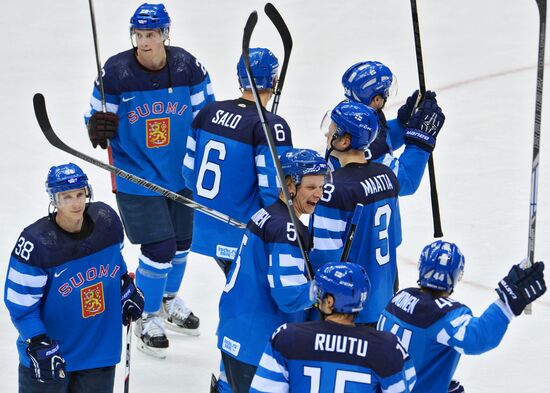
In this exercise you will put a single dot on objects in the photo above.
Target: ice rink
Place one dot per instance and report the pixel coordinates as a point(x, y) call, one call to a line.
point(479, 55)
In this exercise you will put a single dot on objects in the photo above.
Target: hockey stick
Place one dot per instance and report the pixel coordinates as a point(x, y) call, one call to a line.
point(46, 127)
point(101, 88)
point(282, 28)
point(128, 349)
point(438, 232)
point(248, 29)
point(536, 140)
point(351, 233)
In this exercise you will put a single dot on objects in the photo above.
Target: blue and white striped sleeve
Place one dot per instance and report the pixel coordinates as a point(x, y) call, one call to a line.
point(285, 274)
point(201, 94)
point(23, 293)
point(188, 168)
point(111, 102)
point(272, 373)
point(268, 183)
point(474, 335)
point(401, 382)
point(329, 229)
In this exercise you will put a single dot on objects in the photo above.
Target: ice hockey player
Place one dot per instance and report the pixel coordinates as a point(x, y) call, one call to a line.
point(228, 164)
point(352, 129)
point(333, 354)
point(68, 291)
point(269, 271)
point(371, 83)
point(437, 330)
point(153, 91)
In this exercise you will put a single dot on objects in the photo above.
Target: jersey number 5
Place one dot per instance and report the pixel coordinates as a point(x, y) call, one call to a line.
point(212, 167)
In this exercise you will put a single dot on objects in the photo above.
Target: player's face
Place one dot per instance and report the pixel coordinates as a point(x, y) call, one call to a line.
point(71, 204)
point(309, 193)
point(150, 43)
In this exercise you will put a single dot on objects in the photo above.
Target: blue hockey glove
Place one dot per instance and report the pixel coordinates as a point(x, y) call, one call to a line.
point(521, 287)
point(425, 123)
point(131, 299)
point(46, 361)
point(102, 126)
point(404, 113)
point(455, 387)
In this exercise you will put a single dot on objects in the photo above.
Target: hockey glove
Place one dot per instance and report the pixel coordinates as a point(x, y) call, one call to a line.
point(404, 113)
point(521, 287)
point(455, 387)
point(102, 126)
point(46, 362)
point(132, 300)
point(425, 123)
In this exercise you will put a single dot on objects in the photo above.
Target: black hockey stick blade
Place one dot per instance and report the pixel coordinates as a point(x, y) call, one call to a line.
point(46, 127)
point(282, 28)
point(248, 30)
point(438, 231)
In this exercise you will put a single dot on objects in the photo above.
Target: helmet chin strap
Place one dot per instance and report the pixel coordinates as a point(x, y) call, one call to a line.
point(332, 148)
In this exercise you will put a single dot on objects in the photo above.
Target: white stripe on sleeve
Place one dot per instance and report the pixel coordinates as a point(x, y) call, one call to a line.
point(331, 224)
point(260, 160)
point(20, 299)
point(269, 363)
point(287, 260)
point(293, 280)
point(323, 243)
point(397, 387)
point(262, 180)
point(269, 386)
point(197, 98)
point(27, 280)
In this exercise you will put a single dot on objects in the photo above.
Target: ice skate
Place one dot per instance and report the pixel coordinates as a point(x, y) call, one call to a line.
point(151, 336)
point(178, 317)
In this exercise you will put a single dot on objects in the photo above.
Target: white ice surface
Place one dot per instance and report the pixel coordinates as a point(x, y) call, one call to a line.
point(480, 56)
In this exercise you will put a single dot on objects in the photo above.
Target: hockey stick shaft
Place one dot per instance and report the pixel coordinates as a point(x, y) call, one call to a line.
point(536, 140)
point(351, 233)
point(101, 88)
point(45, 125)
point(438, 232)
point(248, 29)
point(128, 349)
point(282, 28)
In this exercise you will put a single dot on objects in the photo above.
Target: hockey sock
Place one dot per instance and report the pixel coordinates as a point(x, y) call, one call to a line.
point(151, 278)
point(175, 276)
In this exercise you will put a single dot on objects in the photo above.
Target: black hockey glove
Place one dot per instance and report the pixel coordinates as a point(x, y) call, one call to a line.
point(131, 299)
point(46, 361)
point(425, 123)
point(404, 113)
point(102, 126)
point(521, 287)
point(455, 387)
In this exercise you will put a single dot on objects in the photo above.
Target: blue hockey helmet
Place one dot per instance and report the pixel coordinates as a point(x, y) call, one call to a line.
point(298, 163)
point(365, 80)
point(441, 266)
point(358, 120)
point(264, 66)
point(348, 283)
point(150, 16)
point(66, 177)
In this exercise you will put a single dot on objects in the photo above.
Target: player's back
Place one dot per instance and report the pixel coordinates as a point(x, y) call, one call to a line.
point(419, 319)
point(378, 232)
point(232, 170)
point(323, 356)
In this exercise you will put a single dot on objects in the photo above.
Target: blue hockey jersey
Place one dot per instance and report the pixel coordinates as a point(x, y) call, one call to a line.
point(155, 110)
point(327, 357)
point(378, 233)
point(69, 289)
point(265, 286)
point(229, 167)
point(437, 331)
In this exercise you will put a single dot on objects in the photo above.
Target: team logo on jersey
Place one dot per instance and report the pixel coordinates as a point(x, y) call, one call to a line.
point(93, 300)
point(158, 132)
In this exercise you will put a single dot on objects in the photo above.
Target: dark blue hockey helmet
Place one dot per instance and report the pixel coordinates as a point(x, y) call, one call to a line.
point(298, 163)
point(365, 80)
point(150, 16)
point(356, 119)
point(441, 266)
point(66, 177)
point(264, 66)
point(348, 283)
